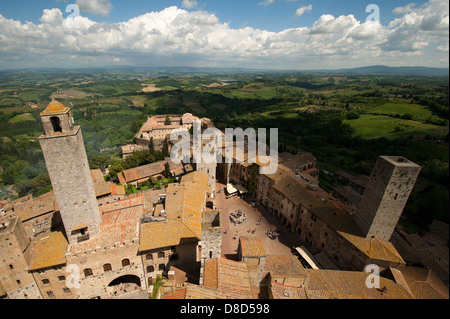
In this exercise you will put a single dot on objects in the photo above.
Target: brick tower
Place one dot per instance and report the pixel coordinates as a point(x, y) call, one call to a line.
point(67, 165)
point(385, 197)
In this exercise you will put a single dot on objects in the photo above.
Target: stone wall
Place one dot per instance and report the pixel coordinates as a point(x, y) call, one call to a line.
point(385, 197)
point(68, 168)
point(14, 246)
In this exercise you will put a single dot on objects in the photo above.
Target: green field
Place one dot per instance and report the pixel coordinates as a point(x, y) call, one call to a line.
point(26, 117)
point(418, 112)
point(376, 126)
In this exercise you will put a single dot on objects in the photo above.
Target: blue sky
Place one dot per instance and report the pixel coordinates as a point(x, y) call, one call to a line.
point(253, 33)
point(274, 17)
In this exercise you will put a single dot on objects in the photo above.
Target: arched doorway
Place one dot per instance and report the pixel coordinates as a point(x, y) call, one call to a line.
point(127, 279)
point(124, 285)
point(56, 123)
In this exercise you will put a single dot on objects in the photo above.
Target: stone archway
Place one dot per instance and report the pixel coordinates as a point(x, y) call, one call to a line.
point(123, 285)
point(127, 279)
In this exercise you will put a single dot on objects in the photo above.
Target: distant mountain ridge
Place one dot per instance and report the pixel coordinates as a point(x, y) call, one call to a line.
point(173, 70)
point(402, 70)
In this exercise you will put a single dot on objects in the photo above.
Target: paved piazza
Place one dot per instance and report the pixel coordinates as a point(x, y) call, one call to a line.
point(280, 246)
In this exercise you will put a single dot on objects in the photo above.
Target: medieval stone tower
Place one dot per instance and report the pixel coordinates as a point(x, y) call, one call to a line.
point(67, 165)
point(385, 197)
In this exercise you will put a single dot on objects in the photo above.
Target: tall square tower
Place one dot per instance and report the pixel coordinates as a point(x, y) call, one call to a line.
point(385, 197)
point(67, 165)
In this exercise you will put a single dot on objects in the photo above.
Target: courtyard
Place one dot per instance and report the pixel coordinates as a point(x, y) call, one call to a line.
point(256, 222)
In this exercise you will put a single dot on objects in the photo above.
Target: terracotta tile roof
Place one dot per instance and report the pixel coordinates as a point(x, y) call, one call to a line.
point(280, 291)
point(180, 276)
point(165, 234)
point(141, 172)
point(399, 279)
point(281, 172)
point(35, 207)
point(102, 189)
point(252, 246)
point(117, 190)
point(144, 172)
point(424, 284)
point(284, 266)
point(344, 224)
point(48, 251)
point(174, 201)
point(195, 292)
point(55, 107)
point(299, 160)
point(229, 277)
point(97, 176)
point(296, 193)
point(116, 227)
point(335, 284)
point(194, 194)
point(178, 294)
point(374, 248)
point(129, 202)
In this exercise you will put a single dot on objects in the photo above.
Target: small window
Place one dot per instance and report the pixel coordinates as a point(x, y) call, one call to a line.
point(50, 294)
point(11, 267)
point(66, 290)
point(125, 262)
point(162, 267)
point(149, 257)
point(161, 255)
point(107, 267)
point(150, 269)
point(88, 272)
point(61, 278)
point(45, 281)
point(18, 282)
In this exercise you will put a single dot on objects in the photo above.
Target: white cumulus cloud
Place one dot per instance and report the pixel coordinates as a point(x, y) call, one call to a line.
point(175, 36)
point(301, 11)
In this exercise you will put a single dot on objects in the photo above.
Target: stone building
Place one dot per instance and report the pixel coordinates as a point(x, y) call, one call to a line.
point(122, 245)
point(16, 281)
point(322, 222)
point(259, 276)
point(385, 197)
point(67, 165)
point(159, 128)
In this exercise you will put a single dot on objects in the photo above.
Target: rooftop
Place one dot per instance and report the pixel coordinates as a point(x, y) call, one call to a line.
point(229, 277)
point(35, 207)
point(165, 234)
point(344, 224)
point(48, 250)
point(252, 246)
point(195, 292)
point(284, 266)
point(336, 284)
point(296, 193)
point(55, 107)
point(422, 282)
